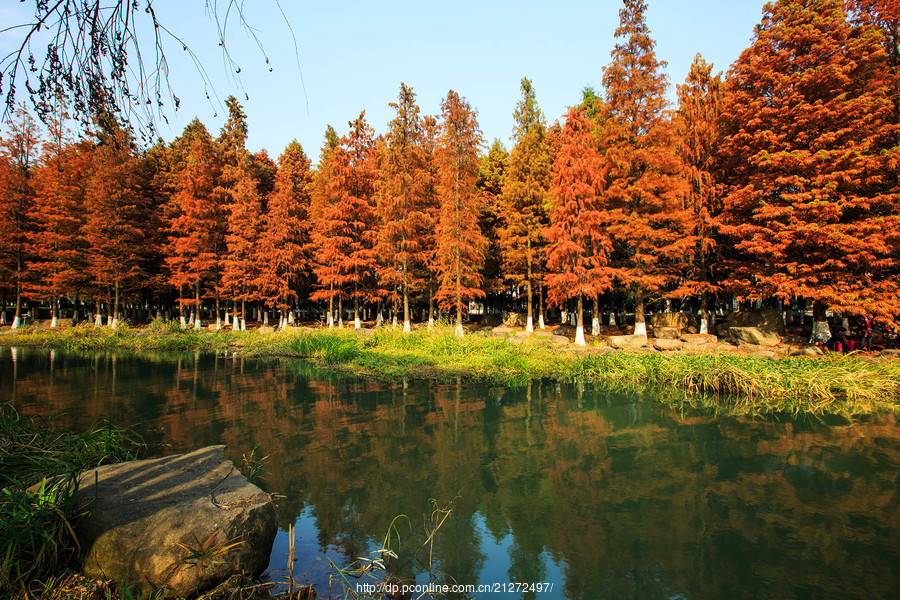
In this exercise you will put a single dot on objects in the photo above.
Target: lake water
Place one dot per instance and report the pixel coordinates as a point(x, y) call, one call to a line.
point(602, 494)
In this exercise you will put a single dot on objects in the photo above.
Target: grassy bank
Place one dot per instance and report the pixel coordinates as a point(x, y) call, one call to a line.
point(846, 385)
point(36, 529)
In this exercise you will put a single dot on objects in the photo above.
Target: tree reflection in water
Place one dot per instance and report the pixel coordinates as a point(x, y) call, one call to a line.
point(615, 494)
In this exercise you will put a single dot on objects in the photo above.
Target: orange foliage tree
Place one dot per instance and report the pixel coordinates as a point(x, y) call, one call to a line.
point(812, 211)
point(57, 243)
point(239, 266)
point(118, 210)
point(344, 229)
point(648, 219)
point(284, 240)
point(699, 135)
point(577, 256)
point(193, 252)
point(20, 151)
point(523, 198)
point(401, 201)
point(460, 244)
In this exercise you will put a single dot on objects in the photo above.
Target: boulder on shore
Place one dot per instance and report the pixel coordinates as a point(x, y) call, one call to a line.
point(668, 344)
point(667, 333)
point(626, 341)
point(754, 335)
point(181, 523)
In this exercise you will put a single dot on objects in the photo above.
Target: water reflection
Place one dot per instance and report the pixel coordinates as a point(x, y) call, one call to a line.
point(606, 494)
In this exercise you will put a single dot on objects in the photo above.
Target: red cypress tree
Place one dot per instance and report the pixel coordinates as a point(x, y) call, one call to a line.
point(460, 245)
point(648, 218)
point(239, 266)
point(17, 197)
point(699, 135)
point(523, 199)
point(284, 242)
point(344, 230)
point(403, 216)
point(116, 214)
point(577, 256)
point(808, 212)
point(193, 252)
point(57, 244)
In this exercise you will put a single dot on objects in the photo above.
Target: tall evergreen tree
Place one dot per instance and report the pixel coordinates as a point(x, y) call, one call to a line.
point(808, 212)
point(460, 244)
point(57, 243)
point(648, 218)
point(577, 260)
point(699, 136)
point(345, 228)
point(523, 198)
point(284, 241)
point(194, 244)
point(401, 199)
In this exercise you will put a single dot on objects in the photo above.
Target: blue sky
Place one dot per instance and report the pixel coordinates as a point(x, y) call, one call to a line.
point(353, 56)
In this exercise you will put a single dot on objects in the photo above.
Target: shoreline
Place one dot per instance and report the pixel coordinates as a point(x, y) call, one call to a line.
point(716, 376)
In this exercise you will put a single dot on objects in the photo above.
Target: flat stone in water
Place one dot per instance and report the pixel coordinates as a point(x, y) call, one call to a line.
point(184, 523)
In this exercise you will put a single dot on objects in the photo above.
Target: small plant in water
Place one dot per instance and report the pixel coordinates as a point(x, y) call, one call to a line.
point(210, 552)
point(252, 465)
point(376, 576)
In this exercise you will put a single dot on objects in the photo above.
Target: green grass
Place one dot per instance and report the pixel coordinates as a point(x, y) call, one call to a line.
point(37, 538)
point(836, 384)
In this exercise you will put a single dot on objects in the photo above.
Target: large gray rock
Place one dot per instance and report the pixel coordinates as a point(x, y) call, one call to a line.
point(514, 319)
point(626, 341)
point(699, 339)
point(668, 344)
point(673, 320)
point(811, 351)
point(754, 335)
point(184, 523)
point(666, 333)
point(768, 319)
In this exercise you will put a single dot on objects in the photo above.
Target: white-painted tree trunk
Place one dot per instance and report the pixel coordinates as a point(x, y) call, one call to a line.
point(612, 319)
point(265, 317)
point(330, 320)
point(564, 317)
point(235, 323)
point(379, 319)
point(183, 322)
point(191, 319)
point(430, 321)
point(243, 324)
point(227, 319)
point(541, 321)
point(290, 317)
point(15, 323)
point(407, 326)
point(595, 325)
point(394, 322)
point(704, 326)
point(218, 323)
point(640, 328)
point(98, 320)
point(197, 323)
point(529, 325)
point(54, 322)
point(579, 336)
point(357, 324)
point(459, 330)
